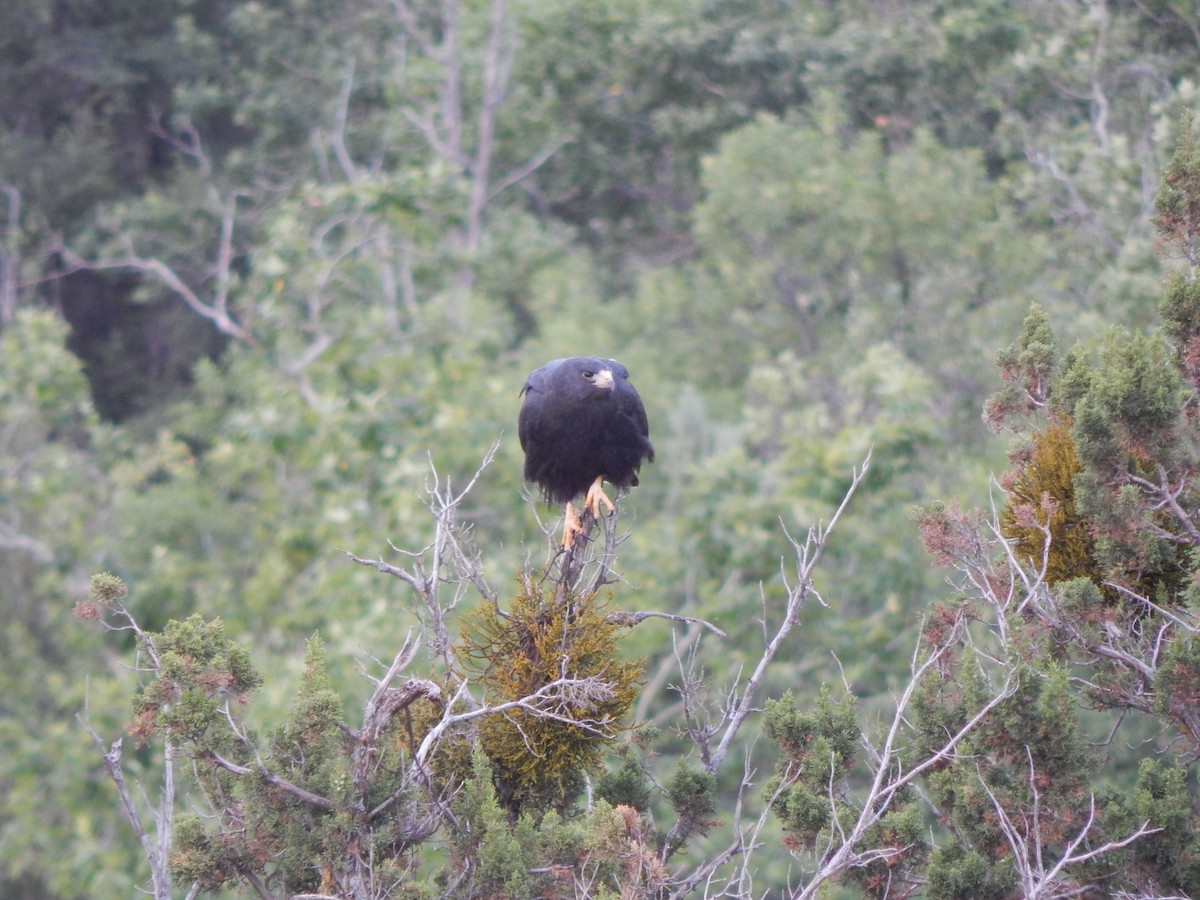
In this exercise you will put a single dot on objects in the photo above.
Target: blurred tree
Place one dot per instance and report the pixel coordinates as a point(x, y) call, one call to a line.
point(53, 500)
point(337, 244)
point(656, 88)
point(1095, 592)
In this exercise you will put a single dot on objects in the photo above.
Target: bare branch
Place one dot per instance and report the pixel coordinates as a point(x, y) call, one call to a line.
point(271, 778)
point(341, 114)
point(631, 619)
point(1025, 842)
point(155, 848)
point(808, 555)
point(521, 172)
point(558, 700)
point(215, 311)
point(449, 559)
point(10, 256)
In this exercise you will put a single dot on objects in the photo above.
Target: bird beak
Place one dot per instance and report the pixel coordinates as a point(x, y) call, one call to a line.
point(604, 379)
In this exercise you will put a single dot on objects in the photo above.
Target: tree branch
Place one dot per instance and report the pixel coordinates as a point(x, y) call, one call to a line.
point(10, 256)
point(271, 778)
point(808, 555)
point(155, 851)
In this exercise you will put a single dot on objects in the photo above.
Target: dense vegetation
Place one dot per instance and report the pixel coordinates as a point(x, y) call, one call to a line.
point(271, 275)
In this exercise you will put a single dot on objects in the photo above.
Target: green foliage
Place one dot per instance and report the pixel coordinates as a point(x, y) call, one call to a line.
point(1108, 491)
point(198, 856)
point(1178, 224)
point(1127, 422)
point(42, 381)
point(627, 784)
point(603, 848)
point(503, 851)
point(317, 709)
point(1026, 368)
point(285, 809)
point(817, 748)
point(1180, 311)
point(198, 670)
point(958, 872)
point(836, 219)
point(693, 795)
point(311, 751)
point(1177, 680)
point(818, 751)
point(900, 842)
point(1177, 203)
point(1027, 754)
point(1133, 405)
point(1160, 801)
point(657, 87)
point(804, 224)
point(1102, 478)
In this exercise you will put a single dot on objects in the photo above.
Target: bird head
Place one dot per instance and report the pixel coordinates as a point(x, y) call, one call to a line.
point(599, 378)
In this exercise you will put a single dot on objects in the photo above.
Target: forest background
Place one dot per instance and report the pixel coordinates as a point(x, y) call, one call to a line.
point(267, 267)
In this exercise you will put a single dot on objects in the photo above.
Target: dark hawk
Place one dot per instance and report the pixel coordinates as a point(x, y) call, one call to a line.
point(581, 424)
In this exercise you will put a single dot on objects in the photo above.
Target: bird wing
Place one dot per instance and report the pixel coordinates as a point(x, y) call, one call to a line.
point(534, 409)
point(631, 406)
point(530, 413)
point(637, 412)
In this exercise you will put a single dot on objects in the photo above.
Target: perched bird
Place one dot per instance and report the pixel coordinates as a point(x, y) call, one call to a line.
point(582, 423)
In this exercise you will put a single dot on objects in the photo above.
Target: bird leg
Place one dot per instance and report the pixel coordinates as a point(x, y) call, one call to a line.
point(572, 525)
point(596, 496)
point(573, 519)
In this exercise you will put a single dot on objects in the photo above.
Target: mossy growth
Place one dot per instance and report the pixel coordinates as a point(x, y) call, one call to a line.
point(1114, 423)
point(541, 752)
point(1042, 498)
point(1095, 532)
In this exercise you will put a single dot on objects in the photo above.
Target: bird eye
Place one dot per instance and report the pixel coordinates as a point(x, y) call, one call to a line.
point(589, 375)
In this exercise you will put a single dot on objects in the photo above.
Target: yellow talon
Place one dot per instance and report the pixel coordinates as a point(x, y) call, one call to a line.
point(572, 525)
point(596, 496)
